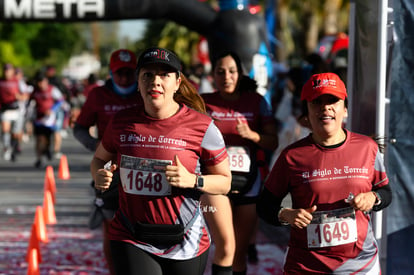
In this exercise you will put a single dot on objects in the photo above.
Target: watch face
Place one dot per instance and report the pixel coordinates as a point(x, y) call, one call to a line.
point(200, 182)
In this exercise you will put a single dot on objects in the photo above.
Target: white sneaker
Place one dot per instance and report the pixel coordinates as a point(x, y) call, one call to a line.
point(64, 133)
point(7, 154)
point(25, 138)
point(57, 155)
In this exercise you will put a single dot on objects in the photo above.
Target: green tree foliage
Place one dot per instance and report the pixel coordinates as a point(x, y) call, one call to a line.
point(7, 53)
point(170, 35)
point(151, 37)
point(54, 36)
point(181, 40)
point(107, 41)
point(301, 24)
point(32, 45)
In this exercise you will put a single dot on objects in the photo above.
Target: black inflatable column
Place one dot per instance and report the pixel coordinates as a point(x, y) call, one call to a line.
point(236, 29)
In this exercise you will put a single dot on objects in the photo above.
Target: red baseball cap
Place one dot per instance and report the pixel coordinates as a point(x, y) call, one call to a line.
point(324, 83)
point(122, 58)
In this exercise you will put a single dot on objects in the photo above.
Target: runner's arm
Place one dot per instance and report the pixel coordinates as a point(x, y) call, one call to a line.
point(385, 194)
point(84, 137)
point(268, 206)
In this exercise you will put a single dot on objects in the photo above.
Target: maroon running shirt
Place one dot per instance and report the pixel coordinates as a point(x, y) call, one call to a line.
point(144, 145)
point(9, 89)
point(250, 108)
point(101, 104)
point(339, 239)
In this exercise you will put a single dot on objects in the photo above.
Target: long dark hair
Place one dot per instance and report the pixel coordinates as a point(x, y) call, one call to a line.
point(233, 55)
point(244, 83)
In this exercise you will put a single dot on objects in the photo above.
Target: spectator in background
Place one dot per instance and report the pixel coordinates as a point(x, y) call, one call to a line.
point(200, 79)
point(55, 80)
point(76, 101)
point(9, 111)
point(25, 91)
point(61, 114)
point(47, 100)
point(90, 83)
point(316, 64)
point(289, 110)
point(340, 67)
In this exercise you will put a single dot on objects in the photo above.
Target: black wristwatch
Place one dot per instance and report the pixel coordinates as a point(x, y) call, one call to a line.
point(199, 184)
point(377, 198)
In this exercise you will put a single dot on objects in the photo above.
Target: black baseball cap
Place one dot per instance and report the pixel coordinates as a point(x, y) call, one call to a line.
point(157, 55)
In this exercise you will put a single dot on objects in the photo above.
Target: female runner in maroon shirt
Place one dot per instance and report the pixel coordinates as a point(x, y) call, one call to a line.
point(166, 153)
point(247, 124)
point(335, 178)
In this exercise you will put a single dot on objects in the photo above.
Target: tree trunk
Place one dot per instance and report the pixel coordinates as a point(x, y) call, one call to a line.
point(330, 20)
point(282, 31)
point(311, 31)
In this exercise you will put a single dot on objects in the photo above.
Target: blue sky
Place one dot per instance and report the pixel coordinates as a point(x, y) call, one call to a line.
point(134, 28)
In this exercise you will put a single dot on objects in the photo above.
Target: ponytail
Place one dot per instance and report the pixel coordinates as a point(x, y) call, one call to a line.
point(188, 95)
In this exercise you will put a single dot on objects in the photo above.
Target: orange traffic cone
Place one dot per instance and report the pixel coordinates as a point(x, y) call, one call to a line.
point(64, 168)
point(40, 225)
point(50, 183)
point(33, 245)
point(33, 263)
point(48, 208)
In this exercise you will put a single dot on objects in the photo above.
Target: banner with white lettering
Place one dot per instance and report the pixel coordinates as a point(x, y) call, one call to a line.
point(190, 12)
point(224, 29)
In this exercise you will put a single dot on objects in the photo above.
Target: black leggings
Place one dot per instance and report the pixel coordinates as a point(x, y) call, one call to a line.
point(131, 260)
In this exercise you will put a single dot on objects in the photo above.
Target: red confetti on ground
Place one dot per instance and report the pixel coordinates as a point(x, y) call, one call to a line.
point(78, 251)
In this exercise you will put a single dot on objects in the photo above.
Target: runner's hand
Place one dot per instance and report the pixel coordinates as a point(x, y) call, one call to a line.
point(363, 201)
point(103, 178)
point(178, 176)
point(298, 218)
point(244, 130)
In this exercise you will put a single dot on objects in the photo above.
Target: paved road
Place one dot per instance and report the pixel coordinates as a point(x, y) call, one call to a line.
point(73, 248)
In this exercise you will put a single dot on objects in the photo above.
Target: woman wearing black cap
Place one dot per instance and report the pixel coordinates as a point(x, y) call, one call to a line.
point(335, 178)
point(160, 152)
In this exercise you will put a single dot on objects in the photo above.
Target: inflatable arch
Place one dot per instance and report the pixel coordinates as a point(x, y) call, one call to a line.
point(232, 27)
